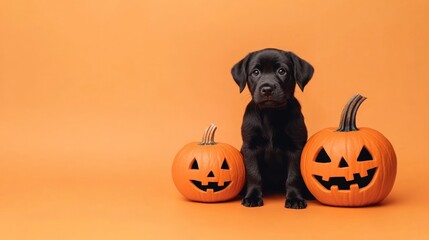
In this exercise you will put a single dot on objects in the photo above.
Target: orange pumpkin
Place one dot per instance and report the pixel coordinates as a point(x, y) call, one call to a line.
point(208, 171)
point(349, 166)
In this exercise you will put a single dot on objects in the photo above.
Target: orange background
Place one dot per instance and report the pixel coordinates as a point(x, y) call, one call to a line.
point(96, 98)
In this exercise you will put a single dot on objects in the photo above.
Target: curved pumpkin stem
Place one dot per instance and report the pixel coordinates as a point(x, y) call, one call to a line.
point(208, 136)
point(348, 116)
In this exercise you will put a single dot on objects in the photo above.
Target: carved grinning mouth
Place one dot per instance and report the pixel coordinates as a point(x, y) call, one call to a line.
point(212, 185)
point(343, 184)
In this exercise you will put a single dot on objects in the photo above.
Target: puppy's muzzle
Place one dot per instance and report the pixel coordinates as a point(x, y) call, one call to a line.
point(269, 95)
point(267, 90)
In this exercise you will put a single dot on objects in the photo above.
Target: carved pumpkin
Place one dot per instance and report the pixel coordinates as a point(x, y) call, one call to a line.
point(349, 166)
point(208, 171)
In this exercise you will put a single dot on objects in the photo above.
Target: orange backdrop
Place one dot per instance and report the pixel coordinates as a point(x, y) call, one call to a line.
point(96, 98)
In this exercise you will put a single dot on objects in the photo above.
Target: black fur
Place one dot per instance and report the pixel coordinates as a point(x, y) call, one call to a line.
point(273, 129)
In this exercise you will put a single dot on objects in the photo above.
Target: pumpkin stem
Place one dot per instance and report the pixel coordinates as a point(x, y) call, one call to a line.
point(208, 136)
point(348, 116)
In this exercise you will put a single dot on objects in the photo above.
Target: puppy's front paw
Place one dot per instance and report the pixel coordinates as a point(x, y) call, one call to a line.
point(252, 202)
point(295, 203)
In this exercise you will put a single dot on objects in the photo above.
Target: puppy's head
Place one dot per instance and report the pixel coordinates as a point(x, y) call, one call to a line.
point(271, 76)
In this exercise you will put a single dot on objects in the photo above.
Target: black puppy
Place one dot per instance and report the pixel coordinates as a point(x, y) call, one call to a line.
point(273, 128)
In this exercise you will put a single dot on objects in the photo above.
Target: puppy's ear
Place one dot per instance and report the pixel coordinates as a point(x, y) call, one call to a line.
point(302, 70)
point(239, 72)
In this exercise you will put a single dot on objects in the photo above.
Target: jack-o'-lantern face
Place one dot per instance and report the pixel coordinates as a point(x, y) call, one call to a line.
point(356, 173)
point(349, 166)
point(208, 171)
point(206, 180)
point(349, 169)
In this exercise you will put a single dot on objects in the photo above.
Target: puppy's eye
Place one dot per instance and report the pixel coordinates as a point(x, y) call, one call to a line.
point(256, 72)
point(281, 71)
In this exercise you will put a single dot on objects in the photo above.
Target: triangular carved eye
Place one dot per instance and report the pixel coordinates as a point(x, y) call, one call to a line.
point(364, 155)
point(225, 165)
point(323, 157)
point(194, 164)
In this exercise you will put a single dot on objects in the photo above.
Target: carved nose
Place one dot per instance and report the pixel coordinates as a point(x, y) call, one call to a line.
point(267, 90)
point(211, 174)
point(343, 163)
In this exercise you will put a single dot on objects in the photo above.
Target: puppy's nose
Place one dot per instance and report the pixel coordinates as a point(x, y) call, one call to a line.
point(267, 90)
